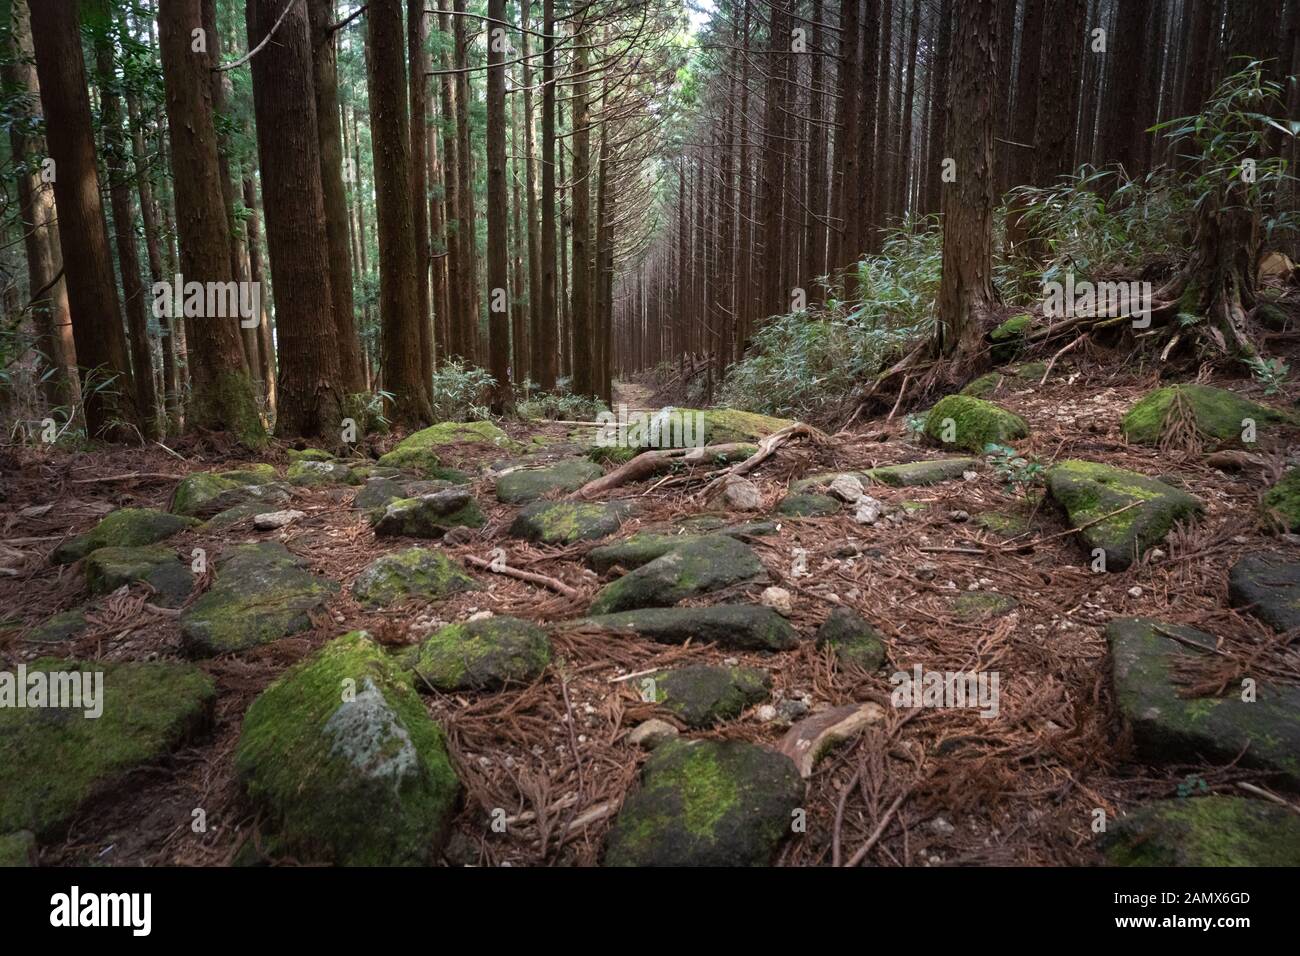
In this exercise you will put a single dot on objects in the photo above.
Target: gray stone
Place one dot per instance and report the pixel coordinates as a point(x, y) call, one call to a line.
point(698, 567)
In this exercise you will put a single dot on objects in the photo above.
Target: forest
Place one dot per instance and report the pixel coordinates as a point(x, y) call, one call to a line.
point(809, 433)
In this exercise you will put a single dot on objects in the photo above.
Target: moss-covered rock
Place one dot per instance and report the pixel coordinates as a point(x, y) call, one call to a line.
point(1282, 501)
point(528, 484)
point(58, 627)
point(428, 516)
point(972, 423)
point(309, 454)
point(702, 695)
point(686, 427)
point(1219, 415)
point(612, 454)
point(414, 574)
point(53, 759)
point(922, 473)
point(1002, 523)
point(419, 452)
point(1009, 337)
point(750, 627)
point(17, 849)
point(124, 528)
point(705, 564)
point(984, 386)
point(345, 764)
point(262, 593)
point(317, 474)
point(378, 493)
point(1267, 584)
point(485, 654)
point(808, 504)
point(977, 605)
point(564, 522)
point(1170, 728)
point(852, 639)
point(107, 569)
point(205, 494)
point(707, 803)
point(1088, 491)
point(1205, 831)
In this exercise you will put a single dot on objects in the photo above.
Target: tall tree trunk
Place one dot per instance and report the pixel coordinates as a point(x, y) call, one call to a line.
point(107, 389)
point(266, 354)
point(390, 133)
point(325, 88)
point(545, 336)
point(966, 287)
point(497, 211)
point(535, 267)
point(584, 382)
point(417, 36)
point(465, 196)
point(117, 168)
point(39, 220)
point(311, 390)
point(455, 321)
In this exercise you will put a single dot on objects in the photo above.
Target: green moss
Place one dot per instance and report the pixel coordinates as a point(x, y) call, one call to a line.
point(1089, 491)
point(974, 423)
point(922, 473)
point(17, 849)
point(1282, 501)
point(1206, 831)
point(365, 781)
point(808, 505)
point(699, 566)
point(1012, 328)
point(974, 605)
point(419, 451)
point(124, 528)
point(528, 484)
point(108, 569)
point(262, 593)
point(227, 403)
point(563, 522)
point(52, 760)
point(414, 573)
point(309, 454)
point(612, 454)
point(984, 386)
point(1218, 414)
point(485, 654)
point(315, 474)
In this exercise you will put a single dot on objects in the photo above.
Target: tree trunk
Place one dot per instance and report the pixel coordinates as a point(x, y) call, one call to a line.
point(966, 287)
point(325, 86)
point(417, 36)
point(107, 388)
point(497, 211)
point(583, 373)
point(545, 336)
point(311, 391)
point(390, 133)
point(39, 220)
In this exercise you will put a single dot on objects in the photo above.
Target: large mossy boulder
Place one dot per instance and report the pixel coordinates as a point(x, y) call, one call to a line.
point(378, 492)
point(54, 759)
point(808, 504)
point(1089, 491)
point(485, 654)
point(707, 803)
point(261, 594)
point(1267, 584)
point(523, 485)
point(1205, 831)
point(564, 522)
point(124, 528)
point(1170, 728)
point(750, 627)
point(108, 569)
point(702, 695)
point(708, 563)
point(205, 494)
point(420, 453)
point(428, 516)
point(964, 422)
point(345, 764)
point(852, 639)
point(1220, 416)
point(1282, 501)
point(58, 627)
point(414, 574)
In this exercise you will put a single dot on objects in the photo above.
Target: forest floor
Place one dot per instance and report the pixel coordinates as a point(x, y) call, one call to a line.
point(931, 787)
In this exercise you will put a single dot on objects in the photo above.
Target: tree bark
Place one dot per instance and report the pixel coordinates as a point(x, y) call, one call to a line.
point(497, 212)
point(107, 389)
